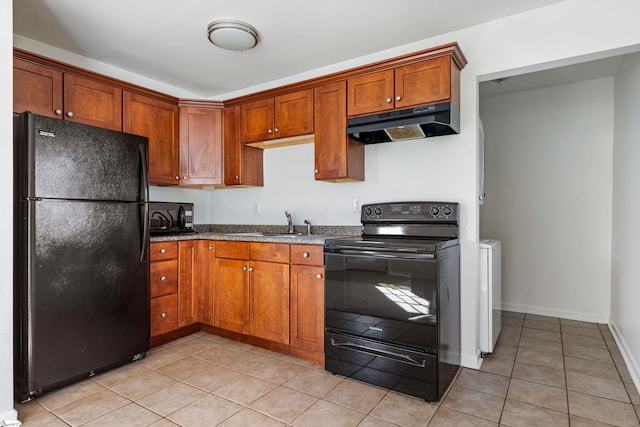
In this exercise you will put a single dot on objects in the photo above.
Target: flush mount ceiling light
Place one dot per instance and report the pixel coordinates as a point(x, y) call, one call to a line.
point(231, 34)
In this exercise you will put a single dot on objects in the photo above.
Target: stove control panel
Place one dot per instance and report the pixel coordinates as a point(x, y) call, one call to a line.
point(408, 212)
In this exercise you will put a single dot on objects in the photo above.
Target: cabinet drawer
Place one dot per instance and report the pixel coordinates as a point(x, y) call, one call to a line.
point(164, 314)
point(270, 252)
point(233, 250)
point(164, 278)
point(307, 255)
point(164, 250)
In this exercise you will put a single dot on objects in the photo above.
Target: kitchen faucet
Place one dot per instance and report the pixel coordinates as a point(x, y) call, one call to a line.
point(289, 222)
point(306, 221)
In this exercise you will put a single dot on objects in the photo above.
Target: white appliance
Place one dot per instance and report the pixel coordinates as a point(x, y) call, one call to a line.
point(490, 308)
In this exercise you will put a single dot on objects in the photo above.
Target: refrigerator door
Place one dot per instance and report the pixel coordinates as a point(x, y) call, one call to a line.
point(82, 293)
point(64, 160)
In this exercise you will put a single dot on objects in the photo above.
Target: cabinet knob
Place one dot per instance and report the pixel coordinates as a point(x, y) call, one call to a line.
point(250, 269)
point(269, 131)
point(163, 278)
point(177, 177)
point(69, 113)
point(163, 315)
point(318, 276)
point(237, 177)
point(163, 251)
point(244, 268)
point(315, 171)
point(306, 254)
point(277, 130)
point(398, 98)
point(58, 112)
point(389, 100)
point(184, 178)
point(210, 248)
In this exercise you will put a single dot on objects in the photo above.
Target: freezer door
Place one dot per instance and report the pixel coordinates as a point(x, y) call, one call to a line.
point(65, 160)
point(83, 292)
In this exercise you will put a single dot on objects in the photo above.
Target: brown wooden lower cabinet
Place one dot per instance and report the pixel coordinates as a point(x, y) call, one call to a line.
point(188, 294)
point(232, 295)
point(269, 301)
point(307, 308)
point(164, 314)
point(205, 263)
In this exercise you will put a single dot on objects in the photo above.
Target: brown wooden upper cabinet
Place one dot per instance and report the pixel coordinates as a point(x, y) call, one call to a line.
point(200, 145)
point(243, 165)
point(420, 83)
point(280, 117)
point(337, 157)
point(158, 121)
point(53, 93)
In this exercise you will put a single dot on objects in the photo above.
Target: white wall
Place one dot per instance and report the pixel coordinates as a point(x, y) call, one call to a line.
point(6, 229)
point(548, 178)
point(625, 292)
point(555, 35)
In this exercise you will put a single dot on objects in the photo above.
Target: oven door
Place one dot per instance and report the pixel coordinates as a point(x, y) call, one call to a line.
point(390, 296)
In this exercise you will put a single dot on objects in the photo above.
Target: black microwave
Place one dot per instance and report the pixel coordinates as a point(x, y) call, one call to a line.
point(170, 218)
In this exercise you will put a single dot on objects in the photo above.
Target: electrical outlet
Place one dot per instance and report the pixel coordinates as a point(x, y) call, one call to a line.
point(357, 204)
point(255, 208)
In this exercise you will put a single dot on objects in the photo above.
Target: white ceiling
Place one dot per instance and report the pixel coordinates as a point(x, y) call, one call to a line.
point(166, 40)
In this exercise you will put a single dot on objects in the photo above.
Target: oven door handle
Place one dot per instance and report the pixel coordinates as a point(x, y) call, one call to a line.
point(377, 254)
point(402, 358)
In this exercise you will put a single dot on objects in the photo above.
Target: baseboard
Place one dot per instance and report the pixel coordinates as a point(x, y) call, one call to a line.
point(9, 417)
point(629, 359)
point(471, 361)
point(551, 312)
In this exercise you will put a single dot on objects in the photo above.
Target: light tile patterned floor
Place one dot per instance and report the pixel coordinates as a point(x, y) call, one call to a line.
point(544, 372)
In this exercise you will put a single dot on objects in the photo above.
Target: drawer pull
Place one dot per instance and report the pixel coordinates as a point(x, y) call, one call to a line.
point(163, 315)
point(250, 268)
point(163, 278)
point(318, 276)
point(210, 248)
point(163, 251)
point(244, 268)
point(306, 254)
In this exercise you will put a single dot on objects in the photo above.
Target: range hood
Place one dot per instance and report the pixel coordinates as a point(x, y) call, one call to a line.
point(412, 123)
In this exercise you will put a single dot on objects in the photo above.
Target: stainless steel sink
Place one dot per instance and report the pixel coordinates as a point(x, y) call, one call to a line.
point(259, 234)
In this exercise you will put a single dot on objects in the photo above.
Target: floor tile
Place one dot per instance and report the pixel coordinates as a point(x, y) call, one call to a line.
point(540, 318)
point(595, 342)
point(446, 417)
point(30, 409)
point(536, 343)
point(591, 367)
point(249, 418)
point(130, 415)
point(142, 385)
point(118, 375)
point(509, 335)
point(633, 393)
point(538, 394)
point(218, 353)
point(246, 362)
point(46, 419)
point(213, 377)
point(590, 353)
point(157, 358)
point(513, 321)
point(171, 398)
point(518, 414)
point(314, 382)
point(611, 389)
point(69, 394)
point(205, 412)
point(496, 365)
point(246, 389)
point(483, 381)
point(545, 326)
point(583, 422)
point(277, 371)
point(548, 376)
point(515, 314)
point(163, 423)
point(541, 334)
point(403, 410)
point(592, 332)
point(283, 403)
point(371, 421)
point(505, 352)
point(183, 368)
point(538, 357)
point(603, 410)
point(327, 414)
point(192, 346)
point(355, 395)
point(90, 407)
point(474, 403)
point(578, 324)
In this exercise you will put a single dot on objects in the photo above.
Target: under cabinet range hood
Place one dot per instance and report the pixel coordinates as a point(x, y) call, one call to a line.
point(417, 122)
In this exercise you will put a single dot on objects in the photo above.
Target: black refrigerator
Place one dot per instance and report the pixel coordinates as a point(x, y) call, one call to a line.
point(81, 244)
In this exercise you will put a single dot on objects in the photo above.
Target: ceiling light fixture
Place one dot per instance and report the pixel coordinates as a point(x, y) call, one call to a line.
point(231, 34)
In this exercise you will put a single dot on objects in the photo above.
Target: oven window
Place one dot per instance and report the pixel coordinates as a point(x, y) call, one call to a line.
point(389, 299)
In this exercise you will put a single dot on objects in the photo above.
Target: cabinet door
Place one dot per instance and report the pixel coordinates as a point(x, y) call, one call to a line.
point(243, 165)
point(425, 82)
point(256, 121)
point(205, 262)
point(231, 295)
point(370, 93)
point(200, 146)
point(269, 290)
point(37, 89)
point(92, 103)
point(158, 121)
point(294, 114)
point(188, 294)
point(307, 308)
point(337, 158)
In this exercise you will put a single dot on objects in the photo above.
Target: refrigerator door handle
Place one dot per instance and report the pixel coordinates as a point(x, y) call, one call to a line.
point(145, 199)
